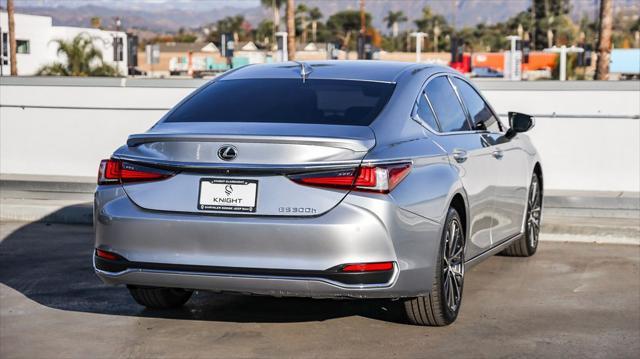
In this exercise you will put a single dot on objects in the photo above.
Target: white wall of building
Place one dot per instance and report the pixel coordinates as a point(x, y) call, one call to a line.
point(35, 29)
point(40, 33)
point(578, 153)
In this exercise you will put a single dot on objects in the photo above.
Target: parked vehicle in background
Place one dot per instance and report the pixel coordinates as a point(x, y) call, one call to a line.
point(625, 63)
point(328, 179)
point(485, 72)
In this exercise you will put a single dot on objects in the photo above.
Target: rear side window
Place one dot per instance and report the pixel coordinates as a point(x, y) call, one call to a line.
point(445, 103)
point(481, 115)
point(423, 110)
point(335, 102)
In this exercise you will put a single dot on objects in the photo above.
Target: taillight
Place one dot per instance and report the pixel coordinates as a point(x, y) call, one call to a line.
point(367, 267)
point(380, 178)
point(116, 171)
point(107, 255)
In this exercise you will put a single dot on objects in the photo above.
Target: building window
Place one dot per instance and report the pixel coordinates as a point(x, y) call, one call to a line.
point(22, 46)
point(118, 49)
point(4, 54)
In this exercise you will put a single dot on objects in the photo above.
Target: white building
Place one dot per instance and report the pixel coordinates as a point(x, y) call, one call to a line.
point(36, 47)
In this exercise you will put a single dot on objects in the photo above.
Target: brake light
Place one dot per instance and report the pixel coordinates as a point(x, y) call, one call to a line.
point(116, 171)
point(368, 267)
point(107, 255)
point(381, 178)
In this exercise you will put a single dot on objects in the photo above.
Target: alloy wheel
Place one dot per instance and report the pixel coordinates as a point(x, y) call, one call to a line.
point(534, 213)
point(453, 265)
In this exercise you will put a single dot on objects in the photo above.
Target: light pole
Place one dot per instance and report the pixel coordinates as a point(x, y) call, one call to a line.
point(563, 50)
point(419, 36)
point(281, 42)
point(515, 59)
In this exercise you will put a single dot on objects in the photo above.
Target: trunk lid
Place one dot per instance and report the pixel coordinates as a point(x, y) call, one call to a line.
point(265, 153)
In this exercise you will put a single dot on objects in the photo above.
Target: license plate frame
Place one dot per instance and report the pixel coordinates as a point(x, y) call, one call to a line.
point(245, 199)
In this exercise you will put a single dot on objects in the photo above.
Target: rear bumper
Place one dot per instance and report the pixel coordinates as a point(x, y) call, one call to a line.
point(266, 255)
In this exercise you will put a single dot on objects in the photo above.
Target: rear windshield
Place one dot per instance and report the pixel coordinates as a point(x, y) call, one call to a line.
point(335, 102)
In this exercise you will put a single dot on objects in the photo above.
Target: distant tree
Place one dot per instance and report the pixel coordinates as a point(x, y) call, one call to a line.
point(233, 25)
point(393, 19)
point(275, 5)
point(264, 32)
point(435, 26)
point(344, 24)
point(302, 21)
point(82, 59)
point(184, 36)
point(314, 16)
point(547, 16)
point(96, 22)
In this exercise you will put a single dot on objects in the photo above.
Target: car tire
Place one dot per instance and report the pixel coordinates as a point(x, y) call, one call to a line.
point(527, 244)
point(435, 308)
point(160, 298)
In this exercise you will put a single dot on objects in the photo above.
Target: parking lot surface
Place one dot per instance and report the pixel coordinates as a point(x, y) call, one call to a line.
point(569, 300)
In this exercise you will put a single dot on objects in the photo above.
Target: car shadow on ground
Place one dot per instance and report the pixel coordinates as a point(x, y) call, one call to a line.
point(51, 265)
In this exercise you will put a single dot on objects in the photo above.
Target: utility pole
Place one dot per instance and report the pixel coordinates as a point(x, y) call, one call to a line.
point(604, 39)
point(291, 29)
point(12, 38)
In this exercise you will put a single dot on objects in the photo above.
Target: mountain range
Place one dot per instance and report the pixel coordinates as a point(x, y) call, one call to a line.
point(169, 16)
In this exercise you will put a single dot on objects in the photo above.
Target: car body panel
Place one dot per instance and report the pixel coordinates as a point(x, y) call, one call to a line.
point(159, 222)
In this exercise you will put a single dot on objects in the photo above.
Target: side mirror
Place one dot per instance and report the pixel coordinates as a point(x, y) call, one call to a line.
point(519, 122)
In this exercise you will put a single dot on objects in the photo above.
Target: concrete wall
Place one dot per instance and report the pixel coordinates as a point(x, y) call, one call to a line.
point(588, 133)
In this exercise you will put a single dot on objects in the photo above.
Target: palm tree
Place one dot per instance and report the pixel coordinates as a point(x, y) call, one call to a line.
point(12, 39)
point(301, 13)
point(275, 5)
point(83, 59)
point(393, 18)
point(314, 15)
point(291, 29)
point(604, 40)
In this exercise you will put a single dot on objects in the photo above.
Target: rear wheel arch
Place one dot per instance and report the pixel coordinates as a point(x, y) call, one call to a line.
point(459, 203)
point(537, 169)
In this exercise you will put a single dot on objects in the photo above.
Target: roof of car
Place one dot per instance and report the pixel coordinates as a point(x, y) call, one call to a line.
point(365, 70)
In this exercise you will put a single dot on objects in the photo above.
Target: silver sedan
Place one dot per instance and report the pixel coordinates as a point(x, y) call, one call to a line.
point(341, 179)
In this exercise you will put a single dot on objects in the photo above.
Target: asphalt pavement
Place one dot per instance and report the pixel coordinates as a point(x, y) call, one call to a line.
point(569, 300)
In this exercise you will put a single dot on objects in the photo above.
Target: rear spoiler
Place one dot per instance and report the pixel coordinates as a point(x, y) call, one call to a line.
point(353, 144)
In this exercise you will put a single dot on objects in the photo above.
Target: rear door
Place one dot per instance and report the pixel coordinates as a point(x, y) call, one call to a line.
point(471, 155)
point(508, 159)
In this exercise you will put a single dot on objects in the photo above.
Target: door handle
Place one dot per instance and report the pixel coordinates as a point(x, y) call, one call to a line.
point(459, 155)
point(498, 154)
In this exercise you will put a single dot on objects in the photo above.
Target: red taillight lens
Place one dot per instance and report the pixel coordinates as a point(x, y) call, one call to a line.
point(116, 171)
point(368, 267)
point(382, 178)
point(107, 255)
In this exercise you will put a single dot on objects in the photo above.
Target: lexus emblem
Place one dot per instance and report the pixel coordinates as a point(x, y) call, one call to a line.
point(227, 152)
